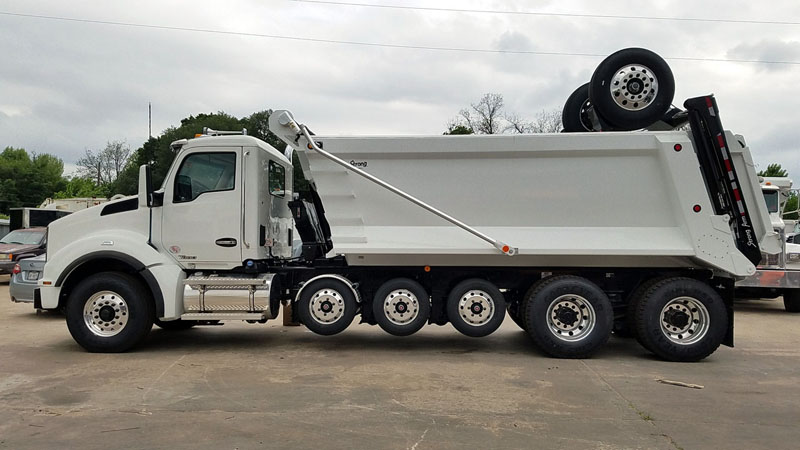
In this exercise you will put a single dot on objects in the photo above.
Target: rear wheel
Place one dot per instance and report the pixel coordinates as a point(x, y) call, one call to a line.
point(327, 306)
point(476, 307)
point(109, 312)
point(401, 306)
point(632, 88)
point(791, 300)
point(681, 319)
point(568, 316)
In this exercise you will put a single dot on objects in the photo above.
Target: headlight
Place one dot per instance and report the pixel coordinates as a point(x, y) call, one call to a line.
point(6, 256)
point(793, 256)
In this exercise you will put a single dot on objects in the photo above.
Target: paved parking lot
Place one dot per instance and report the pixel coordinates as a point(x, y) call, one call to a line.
point(267, 386)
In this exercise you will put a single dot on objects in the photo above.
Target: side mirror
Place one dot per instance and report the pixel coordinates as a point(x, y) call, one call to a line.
point(145, 186)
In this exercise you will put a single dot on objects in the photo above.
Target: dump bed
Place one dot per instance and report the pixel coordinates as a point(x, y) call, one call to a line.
point(563, 200)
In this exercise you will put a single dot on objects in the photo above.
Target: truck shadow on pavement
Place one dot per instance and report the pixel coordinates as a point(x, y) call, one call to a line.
point(374, 341)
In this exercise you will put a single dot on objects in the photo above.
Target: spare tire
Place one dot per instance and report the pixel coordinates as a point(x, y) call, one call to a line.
point(632, 88)
point(575, 116)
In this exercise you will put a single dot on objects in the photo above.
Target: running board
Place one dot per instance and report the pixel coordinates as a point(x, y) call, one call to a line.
point(224, 316)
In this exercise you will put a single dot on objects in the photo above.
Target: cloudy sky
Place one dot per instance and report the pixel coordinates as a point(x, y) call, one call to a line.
point(71, 85)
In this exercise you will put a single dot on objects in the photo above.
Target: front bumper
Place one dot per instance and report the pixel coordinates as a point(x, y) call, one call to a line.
point(6, 267)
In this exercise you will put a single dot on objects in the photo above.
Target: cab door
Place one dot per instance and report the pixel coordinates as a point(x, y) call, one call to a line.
point(201, 219)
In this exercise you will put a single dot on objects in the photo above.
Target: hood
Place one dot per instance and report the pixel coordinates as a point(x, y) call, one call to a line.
point(16, 248)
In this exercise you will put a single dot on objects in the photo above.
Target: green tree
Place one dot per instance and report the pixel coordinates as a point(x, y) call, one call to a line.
point(158, 153)
point(773, 170)
point(81, 187)
point(791, 207)
point(455, 129)
point(26, 180)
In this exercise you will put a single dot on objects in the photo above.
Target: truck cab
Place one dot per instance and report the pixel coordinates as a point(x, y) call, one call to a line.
point(223, 203)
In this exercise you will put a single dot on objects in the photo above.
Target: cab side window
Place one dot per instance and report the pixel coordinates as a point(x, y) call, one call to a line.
point(277, 179)
point(204, 172)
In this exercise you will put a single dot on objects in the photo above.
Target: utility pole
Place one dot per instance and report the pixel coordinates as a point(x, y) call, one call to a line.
point(149, 120)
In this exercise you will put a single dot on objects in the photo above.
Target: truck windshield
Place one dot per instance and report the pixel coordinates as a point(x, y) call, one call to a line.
point(771, 197)
point(23, 237)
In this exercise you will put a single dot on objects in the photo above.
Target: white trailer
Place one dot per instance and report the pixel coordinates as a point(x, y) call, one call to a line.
point(567, 232)
point(777, 275)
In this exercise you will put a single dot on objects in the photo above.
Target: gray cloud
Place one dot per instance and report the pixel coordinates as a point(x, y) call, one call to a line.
point(67, 86)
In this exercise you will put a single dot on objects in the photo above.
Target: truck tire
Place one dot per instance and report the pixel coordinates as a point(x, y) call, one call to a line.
point(791, 300)
point(568, 316)
point(515, 312)
point(476, 307)
point(109, 312)
point(632, 88)
point(681, 319)
point(326, 306)
point(175, 325)
point(401, 306)
point(633, 302)
point(574, 116)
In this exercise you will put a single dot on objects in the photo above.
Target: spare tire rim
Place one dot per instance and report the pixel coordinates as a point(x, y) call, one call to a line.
point(476, 307)
point(684, 320)
point(634, 87)
point(401, 307)
point(105, 313)
point(326, 306)
point(571, 317)
point(586, 121)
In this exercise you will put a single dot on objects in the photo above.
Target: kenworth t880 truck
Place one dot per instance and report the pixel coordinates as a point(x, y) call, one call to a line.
point(566, 233)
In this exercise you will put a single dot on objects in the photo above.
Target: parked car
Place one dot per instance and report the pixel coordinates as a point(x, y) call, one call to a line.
point(24, 278)
point(20, 244)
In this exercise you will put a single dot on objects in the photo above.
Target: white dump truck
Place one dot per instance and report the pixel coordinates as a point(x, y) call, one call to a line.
point(777, 275)
point(567, 233)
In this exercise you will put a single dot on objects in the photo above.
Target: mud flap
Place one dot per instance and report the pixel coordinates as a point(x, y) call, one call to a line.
point(724, 287)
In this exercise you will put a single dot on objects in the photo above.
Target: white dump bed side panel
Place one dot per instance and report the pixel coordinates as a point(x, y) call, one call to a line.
point(593, 199)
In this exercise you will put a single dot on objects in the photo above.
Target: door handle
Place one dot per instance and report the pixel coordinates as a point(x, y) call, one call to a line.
point(226, 242)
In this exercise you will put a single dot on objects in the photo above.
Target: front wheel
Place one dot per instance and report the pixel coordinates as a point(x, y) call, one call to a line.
point(109, 312)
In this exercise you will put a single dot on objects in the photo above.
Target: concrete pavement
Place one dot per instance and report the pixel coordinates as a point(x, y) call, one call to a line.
point(268, 386)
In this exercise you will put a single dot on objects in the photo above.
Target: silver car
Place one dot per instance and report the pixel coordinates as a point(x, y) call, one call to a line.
point(24, 278)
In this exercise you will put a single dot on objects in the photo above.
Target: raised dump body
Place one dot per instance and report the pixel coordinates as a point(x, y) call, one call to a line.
point(577, 200)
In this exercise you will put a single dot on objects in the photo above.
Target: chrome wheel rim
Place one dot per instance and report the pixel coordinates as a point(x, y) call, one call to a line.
point(476, 307)
point(571, 317)
point(401, 307)
point(586, 121)
point(633, 87)
point(105, 313)
point(684, 320)
point(326, 306)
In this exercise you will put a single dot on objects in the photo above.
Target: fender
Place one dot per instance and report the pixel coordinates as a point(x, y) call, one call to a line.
point(137, 265)
point(335, 277)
